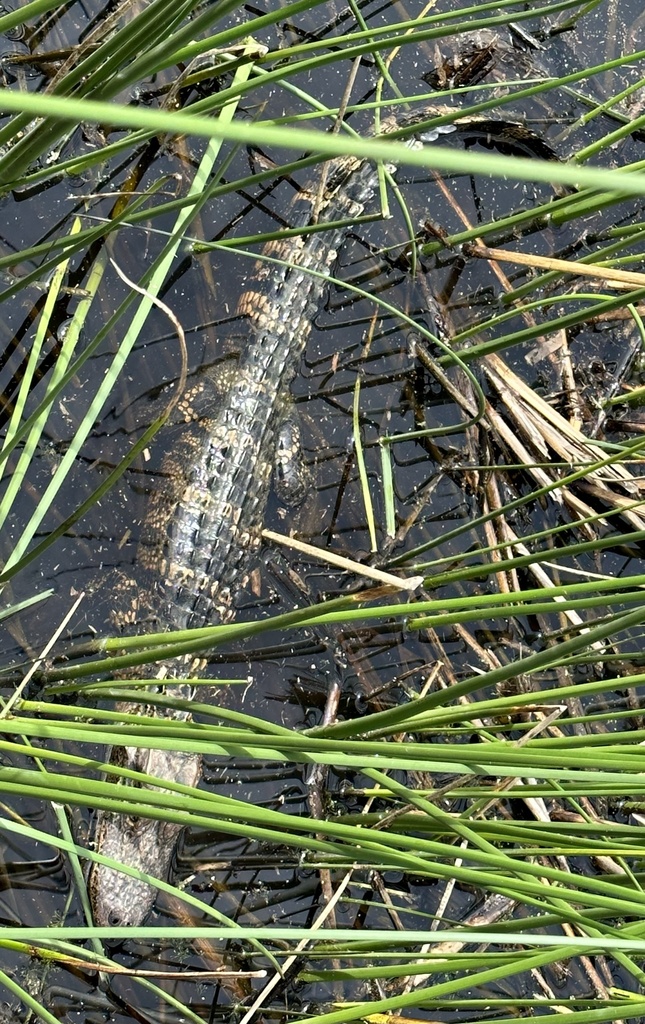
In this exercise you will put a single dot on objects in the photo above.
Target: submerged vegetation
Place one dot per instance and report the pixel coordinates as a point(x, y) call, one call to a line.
point(425, 794)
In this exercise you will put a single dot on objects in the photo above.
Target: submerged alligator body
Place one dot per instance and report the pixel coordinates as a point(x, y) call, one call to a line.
point(198, 534)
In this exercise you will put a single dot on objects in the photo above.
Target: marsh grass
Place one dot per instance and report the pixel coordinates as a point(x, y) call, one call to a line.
point(571, 875)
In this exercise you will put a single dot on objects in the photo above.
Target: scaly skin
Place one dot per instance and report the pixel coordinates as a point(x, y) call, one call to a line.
point(202, 525)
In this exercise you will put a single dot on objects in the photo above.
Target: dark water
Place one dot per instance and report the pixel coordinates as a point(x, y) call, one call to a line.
point(288, 679)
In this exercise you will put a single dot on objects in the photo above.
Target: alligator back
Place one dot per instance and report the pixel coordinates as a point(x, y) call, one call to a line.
point(198, 550)
point(206, 518)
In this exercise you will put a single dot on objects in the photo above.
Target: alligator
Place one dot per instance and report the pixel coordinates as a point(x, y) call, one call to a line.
point(203, 524)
